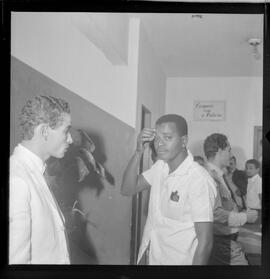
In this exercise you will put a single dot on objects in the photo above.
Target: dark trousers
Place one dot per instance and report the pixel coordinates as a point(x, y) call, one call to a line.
point(227, 251)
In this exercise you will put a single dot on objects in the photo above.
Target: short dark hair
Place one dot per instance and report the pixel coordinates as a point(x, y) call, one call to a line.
point(213, 143)
point(253, 162)
point(179, 121)
point(41, 109)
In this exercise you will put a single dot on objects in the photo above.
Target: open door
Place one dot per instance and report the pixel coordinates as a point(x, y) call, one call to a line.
point(140, 201)
point(257, 147)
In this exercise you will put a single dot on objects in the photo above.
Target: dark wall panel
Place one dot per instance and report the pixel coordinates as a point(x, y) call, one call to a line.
point(101, 234)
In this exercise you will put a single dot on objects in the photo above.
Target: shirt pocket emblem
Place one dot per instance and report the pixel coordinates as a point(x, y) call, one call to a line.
point(174, 196)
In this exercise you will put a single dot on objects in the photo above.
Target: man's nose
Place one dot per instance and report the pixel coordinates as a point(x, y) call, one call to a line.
point(159, 141)
point(69, 139)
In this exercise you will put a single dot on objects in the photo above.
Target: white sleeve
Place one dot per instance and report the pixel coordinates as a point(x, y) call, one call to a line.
point(19, 222)
point(237, 219)
point(202, 196)
point(151, 173)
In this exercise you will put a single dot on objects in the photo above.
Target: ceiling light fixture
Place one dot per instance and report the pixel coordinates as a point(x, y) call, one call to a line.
point(254, 43)
point(196, 16)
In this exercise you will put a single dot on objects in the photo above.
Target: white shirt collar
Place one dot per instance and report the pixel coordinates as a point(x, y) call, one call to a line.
point(253, 178)
point(184, 166)
point(32, 160)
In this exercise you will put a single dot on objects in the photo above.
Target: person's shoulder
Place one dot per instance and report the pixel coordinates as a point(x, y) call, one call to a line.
point(14, 162)
point(158, 165)
point(16, 166)
point(201, 179)
point(196, 167)
point(258, 178)
point(198, 171)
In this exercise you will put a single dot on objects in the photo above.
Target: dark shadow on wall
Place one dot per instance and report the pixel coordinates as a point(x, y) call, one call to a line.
point(100, 157)
point(64, 178)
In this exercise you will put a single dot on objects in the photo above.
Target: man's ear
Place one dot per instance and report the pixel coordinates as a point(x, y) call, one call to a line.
point(43, 130)
point(184, 140)
point(219, 151)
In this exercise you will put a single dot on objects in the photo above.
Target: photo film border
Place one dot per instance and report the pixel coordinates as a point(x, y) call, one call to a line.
point(129, 272)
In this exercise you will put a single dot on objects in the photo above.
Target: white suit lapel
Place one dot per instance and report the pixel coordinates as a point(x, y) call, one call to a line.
point(50, 198)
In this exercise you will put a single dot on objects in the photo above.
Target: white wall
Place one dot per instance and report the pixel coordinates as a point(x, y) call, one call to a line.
point(151, 81)
point(243, 96)
point(151, 94)
point(52, 44)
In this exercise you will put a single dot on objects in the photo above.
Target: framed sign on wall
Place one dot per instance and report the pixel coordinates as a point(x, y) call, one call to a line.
point(209, 110)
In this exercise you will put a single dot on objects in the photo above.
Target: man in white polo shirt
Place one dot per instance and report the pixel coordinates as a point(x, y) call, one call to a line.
point(254, 187)
point(178, 229)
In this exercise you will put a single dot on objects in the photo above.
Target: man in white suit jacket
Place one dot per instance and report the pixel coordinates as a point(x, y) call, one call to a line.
point(36, 225)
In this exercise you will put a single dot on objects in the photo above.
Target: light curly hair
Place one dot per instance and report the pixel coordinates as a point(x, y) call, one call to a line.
point(41, 109)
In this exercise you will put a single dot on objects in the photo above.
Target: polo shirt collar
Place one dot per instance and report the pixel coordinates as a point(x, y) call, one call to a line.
point(215, 168)
point(30, 158)
point(184, 166)
point(253, 178)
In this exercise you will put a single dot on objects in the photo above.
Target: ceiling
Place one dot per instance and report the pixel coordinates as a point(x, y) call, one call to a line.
point(205, 45)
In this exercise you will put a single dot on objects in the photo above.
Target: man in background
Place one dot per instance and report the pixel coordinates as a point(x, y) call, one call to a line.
point(227, 218)
point(238, 179)
point(36, 225)
point(178, 230)
point(254, 187)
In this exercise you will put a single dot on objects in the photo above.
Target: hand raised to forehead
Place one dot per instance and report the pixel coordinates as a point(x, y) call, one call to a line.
point(145, 136)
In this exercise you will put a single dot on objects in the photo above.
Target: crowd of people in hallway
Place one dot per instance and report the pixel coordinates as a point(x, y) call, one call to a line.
point(195, 209)
point(196, 206)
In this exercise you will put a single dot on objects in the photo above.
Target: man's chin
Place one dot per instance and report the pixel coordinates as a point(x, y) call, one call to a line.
point(163, 158)
point(60, 155)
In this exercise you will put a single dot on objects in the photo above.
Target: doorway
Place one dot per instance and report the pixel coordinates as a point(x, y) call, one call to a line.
point(140, 201)
point(257, 143)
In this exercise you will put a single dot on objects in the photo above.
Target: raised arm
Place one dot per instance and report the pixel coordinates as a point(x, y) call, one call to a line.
point(133, 182)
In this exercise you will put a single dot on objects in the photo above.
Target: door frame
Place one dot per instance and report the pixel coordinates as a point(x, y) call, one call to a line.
point(137, 200)
point(257, 145)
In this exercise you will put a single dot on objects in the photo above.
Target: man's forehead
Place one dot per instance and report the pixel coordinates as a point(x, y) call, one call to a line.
point(166, 126)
